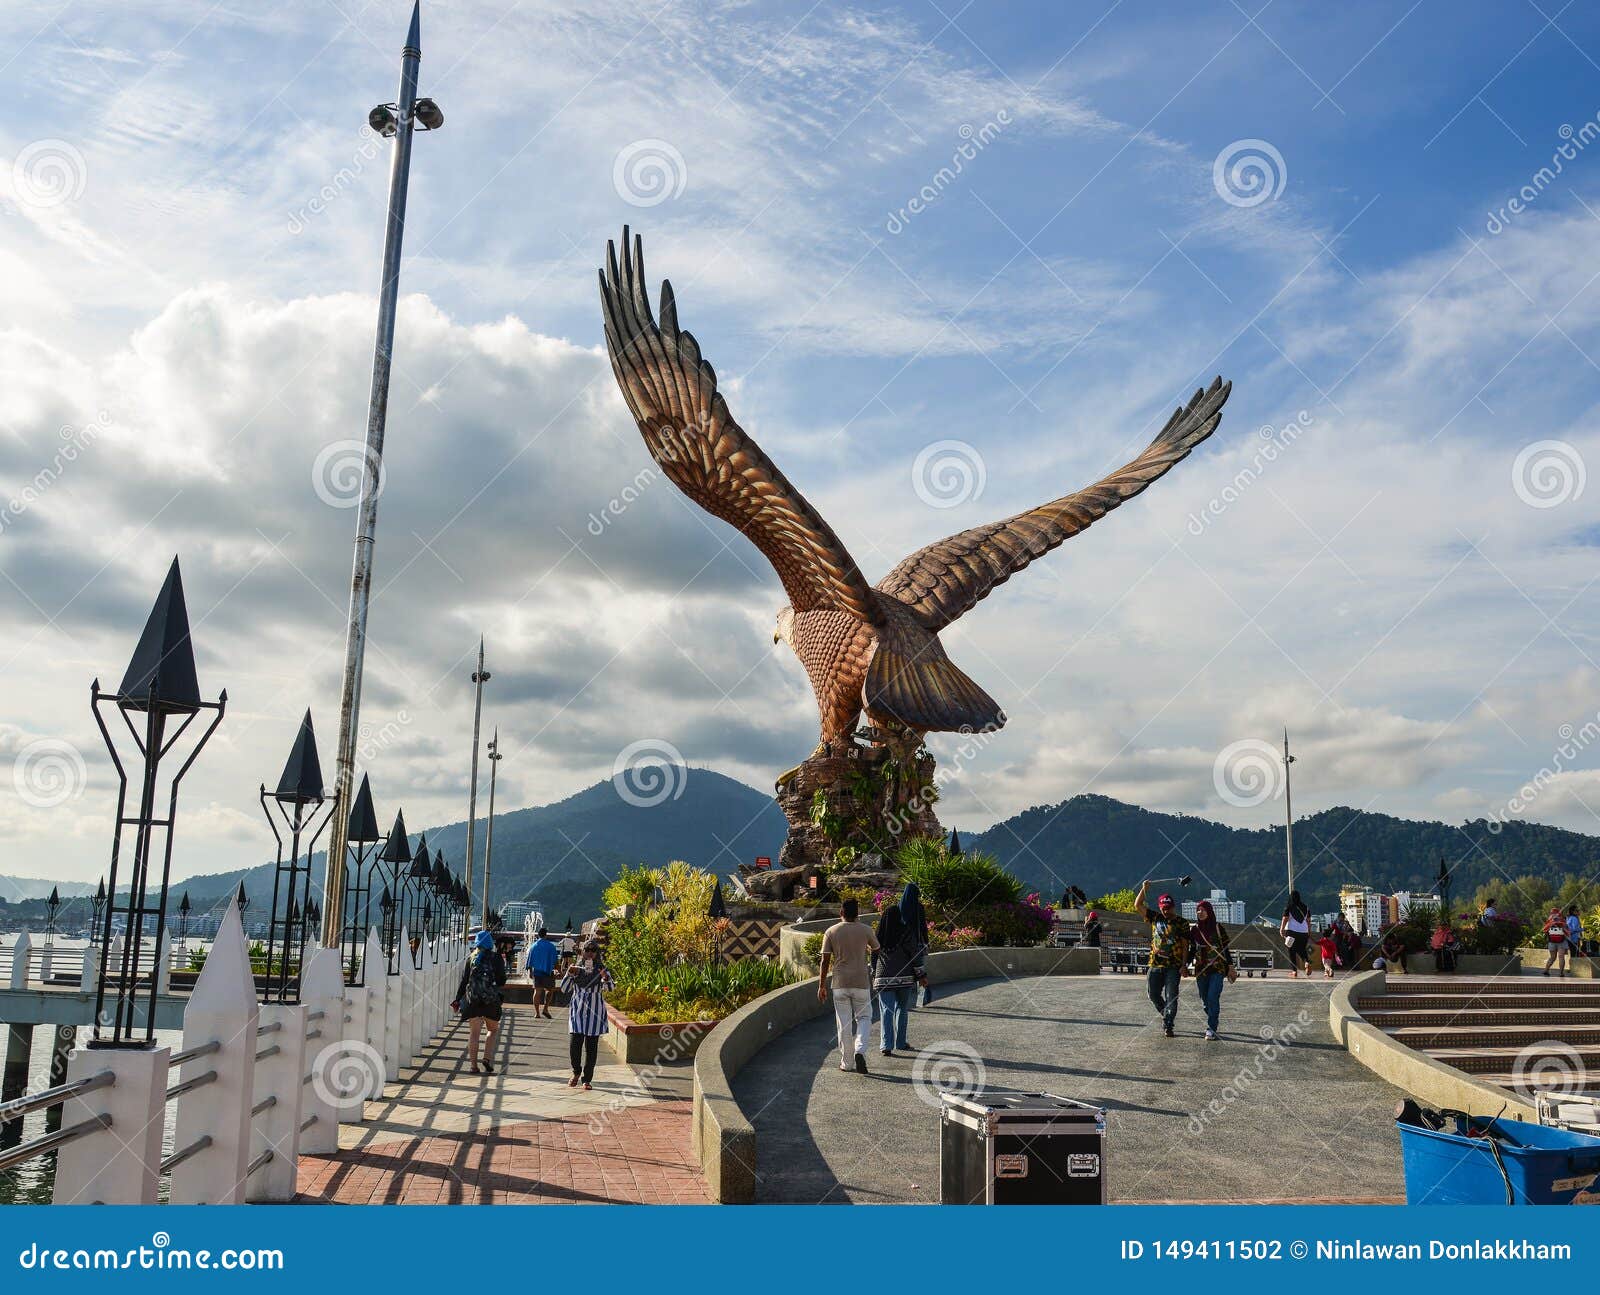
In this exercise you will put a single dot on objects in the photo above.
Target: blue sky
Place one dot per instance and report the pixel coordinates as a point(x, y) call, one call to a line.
point(191, 224)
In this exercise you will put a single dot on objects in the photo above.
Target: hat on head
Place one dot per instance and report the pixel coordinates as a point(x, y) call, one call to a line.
point(1163, 901)
point(484, 940)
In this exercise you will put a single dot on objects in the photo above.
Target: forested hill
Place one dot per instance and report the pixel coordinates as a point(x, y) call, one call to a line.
point(1102, 845)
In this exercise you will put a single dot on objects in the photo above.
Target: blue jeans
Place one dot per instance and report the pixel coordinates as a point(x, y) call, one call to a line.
point(893, 1003)
point(1210, 985)
point(1162, 984)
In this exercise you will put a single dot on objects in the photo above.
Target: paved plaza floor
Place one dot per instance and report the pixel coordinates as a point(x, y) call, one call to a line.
point(1274, 1110)
point(447, 1136)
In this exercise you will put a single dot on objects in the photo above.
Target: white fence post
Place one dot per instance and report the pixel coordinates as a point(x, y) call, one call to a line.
point(335, 1064)
point(163, 967)
point(19, 961)
point(119, 1163)
point(408, 999)
point(377, 979)
point(279, 1086)
point(221, 1009)
point(47, 960)
point(90, 975)
point(393, 1005)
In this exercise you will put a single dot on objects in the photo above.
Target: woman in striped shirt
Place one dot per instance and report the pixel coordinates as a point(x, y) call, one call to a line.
point(585, 986)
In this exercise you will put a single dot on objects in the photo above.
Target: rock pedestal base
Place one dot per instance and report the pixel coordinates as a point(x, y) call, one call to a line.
point(848, 808)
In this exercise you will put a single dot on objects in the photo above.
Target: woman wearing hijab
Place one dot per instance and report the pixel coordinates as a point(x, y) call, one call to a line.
point(585, 986)
point(478, 998)
point(1295, 928)
point(915, 918)
point(896, 968)
point(1213, 964)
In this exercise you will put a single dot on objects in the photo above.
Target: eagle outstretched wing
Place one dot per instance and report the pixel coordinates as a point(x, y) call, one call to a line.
point(672, 393)
point(949, 578)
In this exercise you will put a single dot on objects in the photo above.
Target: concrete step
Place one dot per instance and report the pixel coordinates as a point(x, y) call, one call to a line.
point(1427, 1037)
point(1501, 1002)
point(1503, 1059)
point(1541, 1014)
point(1454, 986)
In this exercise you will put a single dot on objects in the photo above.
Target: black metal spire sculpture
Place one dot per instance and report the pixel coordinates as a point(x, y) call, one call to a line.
point(158, 703)
point(298, 802)
point(362, 836)
point(396, 854)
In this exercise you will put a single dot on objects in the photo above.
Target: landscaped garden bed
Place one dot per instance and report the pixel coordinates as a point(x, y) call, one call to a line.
point(664, 949)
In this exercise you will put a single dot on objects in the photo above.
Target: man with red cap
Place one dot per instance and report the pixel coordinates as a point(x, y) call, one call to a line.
point(1169, 951)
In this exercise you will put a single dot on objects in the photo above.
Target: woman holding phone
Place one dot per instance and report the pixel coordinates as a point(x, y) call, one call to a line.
point(585, 986)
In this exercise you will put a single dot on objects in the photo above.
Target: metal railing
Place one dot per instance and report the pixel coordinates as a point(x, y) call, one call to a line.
point(44, 1100)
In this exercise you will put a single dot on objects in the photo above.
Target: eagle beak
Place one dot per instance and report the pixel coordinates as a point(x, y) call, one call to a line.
point(776, 636)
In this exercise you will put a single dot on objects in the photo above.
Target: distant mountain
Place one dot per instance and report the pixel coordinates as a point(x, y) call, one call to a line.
point(14, 890)
point(1103, 845)
point(565, 854)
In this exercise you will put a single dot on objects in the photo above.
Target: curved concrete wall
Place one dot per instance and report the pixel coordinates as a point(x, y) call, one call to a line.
point(725, 1141)
point(1431, 1082)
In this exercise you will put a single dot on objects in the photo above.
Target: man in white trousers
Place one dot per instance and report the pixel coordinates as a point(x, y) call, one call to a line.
point(846, 947)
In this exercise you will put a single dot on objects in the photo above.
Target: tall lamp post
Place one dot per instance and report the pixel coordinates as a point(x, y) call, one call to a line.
point(184, 909)
point(488, 846)
point(480, 676)
point(394, 121)
point(1288, 810)
point(160, 688)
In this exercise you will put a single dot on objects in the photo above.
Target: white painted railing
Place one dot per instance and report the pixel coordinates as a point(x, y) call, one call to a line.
point(256, 1086)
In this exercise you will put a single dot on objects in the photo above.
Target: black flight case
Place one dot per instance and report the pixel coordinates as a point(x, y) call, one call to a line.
point(1012, 1148)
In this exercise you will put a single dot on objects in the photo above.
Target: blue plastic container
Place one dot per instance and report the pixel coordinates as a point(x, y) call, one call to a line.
point(1545, 1166)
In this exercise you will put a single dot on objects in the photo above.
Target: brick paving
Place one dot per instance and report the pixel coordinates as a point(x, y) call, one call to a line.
point(637, 1156)
point(444, 1135)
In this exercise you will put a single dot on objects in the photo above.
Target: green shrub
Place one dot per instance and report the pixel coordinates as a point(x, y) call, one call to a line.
point(1118, 901)
point(632, 886)
point(812, 948)
point(952, 883)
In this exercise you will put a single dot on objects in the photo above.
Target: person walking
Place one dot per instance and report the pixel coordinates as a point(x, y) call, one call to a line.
point(846, 945)
point(896, 967)
point(915, 918)
point(1169, 951)
point(1295, 928)
point(542, 959)
point(1212, 961)
point(1555, 936)
point(585, 985)
point(1574, 936)
point(479, 997)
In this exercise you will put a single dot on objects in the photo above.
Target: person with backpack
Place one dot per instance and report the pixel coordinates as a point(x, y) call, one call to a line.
point(585, 986)
point(1555, 936)
point(1212, 961)
point(1295, 928)
point(479, 997)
